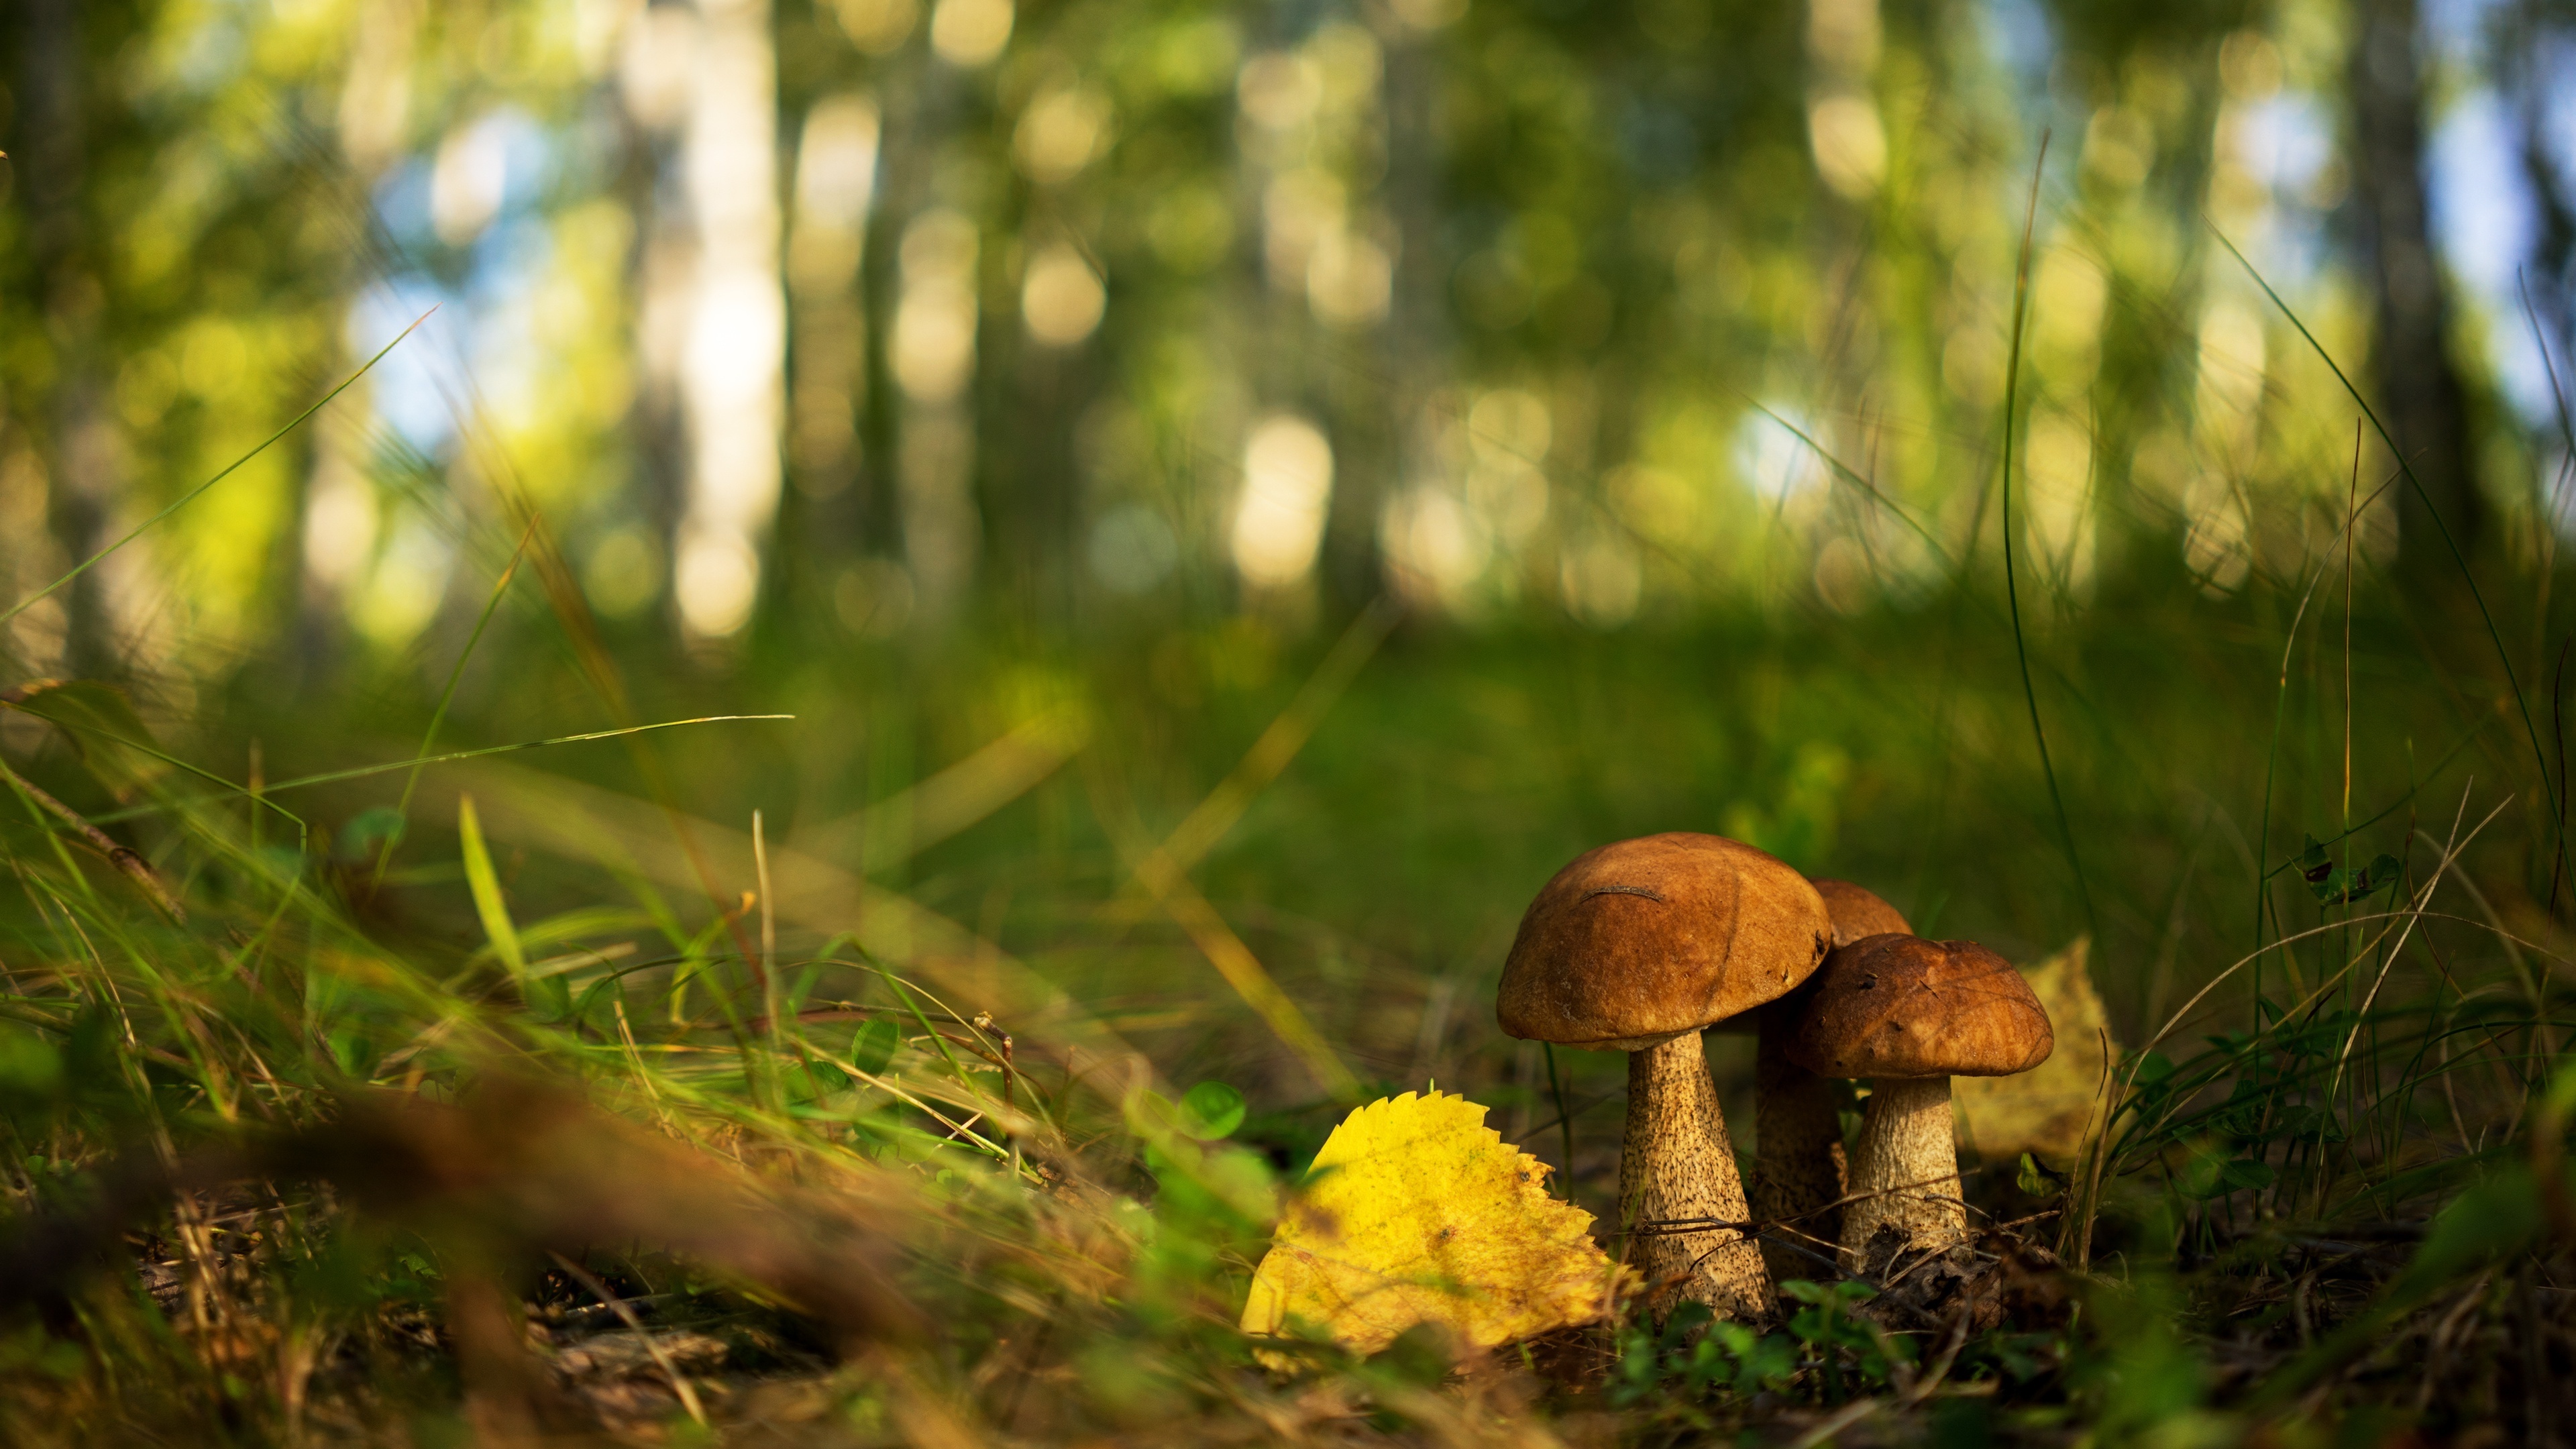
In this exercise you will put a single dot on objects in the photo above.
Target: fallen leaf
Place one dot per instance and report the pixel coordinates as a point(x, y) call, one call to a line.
point(1417, 1212)
point(2044, 1110)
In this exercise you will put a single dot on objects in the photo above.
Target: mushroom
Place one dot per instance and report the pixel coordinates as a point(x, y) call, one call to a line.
point(1637, 947)
point(1910, 1014)
point(1857, 911)
point(1797, 1122)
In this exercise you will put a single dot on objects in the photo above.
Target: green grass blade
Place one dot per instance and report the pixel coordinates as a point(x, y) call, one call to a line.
point(446, 696)
point(2012, 586)
point(486, 886)
point(2460, 559)
point(191, 496)
point(362, 771)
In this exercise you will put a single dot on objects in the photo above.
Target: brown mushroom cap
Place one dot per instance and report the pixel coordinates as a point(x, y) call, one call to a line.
point(1858, 912)
point(1644, 939)
point(1901, 1006)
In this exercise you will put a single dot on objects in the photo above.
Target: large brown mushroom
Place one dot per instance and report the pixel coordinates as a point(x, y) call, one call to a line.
point(1910, 1014)
point(1637, 947)
point(1798, 1172)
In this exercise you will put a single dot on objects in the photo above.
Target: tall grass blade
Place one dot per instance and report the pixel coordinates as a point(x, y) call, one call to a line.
point(332, 777)
point(191, 496)
point(447, 696)
point(2012, 587)
point(485, 884)
point(2459, 559)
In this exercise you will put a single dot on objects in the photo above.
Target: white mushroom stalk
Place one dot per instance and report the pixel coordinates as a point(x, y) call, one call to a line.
point(1910, 1014)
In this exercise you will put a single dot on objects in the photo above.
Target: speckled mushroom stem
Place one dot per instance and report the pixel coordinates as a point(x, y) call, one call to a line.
point(1797, 1155)
point(1676, 1165)
point(1908, 1163)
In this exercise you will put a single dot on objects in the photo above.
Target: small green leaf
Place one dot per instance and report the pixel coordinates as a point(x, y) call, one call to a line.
point(2384, 870)
point(2212, 1177)
point(874, 1046)
point(2313, 865)
point(486, 886)
point(2152, 1069)
point(2245, 1173)
point(281, 863)
point(1210, 1110)
point(375, 826)
point(2036, 1180)
point(2486, 1221)
point(354, 1053)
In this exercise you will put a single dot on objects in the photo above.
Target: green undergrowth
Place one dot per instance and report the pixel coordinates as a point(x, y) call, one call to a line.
point(844, 1042)
point(2325, 1194)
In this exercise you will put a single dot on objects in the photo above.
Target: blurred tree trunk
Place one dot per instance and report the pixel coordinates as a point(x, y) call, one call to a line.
point(74, 439)
point(2419, 394)
point(733, 370)
point(1412, 342)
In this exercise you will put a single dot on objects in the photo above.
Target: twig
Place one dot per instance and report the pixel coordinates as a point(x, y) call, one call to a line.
point(626, 1315)
point(1826, 1432)
point(135, 867)
point(2450, 853)
point(1800, 1248)
point(1931, 1377)
point(1665, 1227)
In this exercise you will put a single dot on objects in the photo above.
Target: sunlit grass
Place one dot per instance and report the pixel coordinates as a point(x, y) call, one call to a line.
point(795, 1051)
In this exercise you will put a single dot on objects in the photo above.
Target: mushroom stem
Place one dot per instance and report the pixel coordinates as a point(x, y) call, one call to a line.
point(1676, 1166)
point(1908, 1166)
point(1798, 1152)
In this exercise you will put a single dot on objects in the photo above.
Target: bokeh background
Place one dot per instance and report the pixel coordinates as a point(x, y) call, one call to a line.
point(1028, 397)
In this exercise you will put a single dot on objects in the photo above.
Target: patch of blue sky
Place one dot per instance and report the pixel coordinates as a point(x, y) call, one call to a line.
point(2018, 32)
point(529, 156)
point(415, 388)
point(2485, 216)
point(509, 260)
point(2286, 142)
point(2486, 221)
point(402, 203)
point(479, 329)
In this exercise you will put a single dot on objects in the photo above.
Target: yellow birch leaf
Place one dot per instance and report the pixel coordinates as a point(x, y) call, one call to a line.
point(1417, 1212)
point(2046, 1109)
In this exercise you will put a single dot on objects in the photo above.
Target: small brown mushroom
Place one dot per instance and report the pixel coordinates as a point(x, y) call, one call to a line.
point(1638, 947)
point(1911, 1014)
point(1798, 1172)
point(1858, 912)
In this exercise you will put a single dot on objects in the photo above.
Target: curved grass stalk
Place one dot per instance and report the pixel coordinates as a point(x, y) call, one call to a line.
point(447, 696)
point(2468, 577)
point(193, 494)
point(2012, 585)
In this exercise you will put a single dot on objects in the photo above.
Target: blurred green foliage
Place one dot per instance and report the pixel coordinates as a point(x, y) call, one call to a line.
point(1652, 359)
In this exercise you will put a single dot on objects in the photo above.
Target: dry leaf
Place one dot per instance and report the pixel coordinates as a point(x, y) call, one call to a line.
point(2043, 1110)
point(1417, 1212)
